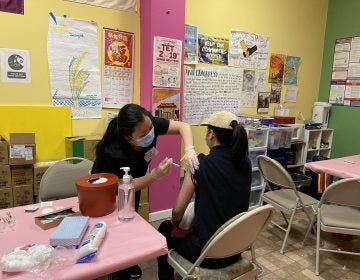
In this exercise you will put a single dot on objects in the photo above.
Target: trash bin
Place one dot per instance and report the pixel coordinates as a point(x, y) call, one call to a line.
point(301, 180)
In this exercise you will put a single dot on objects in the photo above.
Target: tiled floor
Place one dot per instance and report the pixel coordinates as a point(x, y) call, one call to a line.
point(298, 261)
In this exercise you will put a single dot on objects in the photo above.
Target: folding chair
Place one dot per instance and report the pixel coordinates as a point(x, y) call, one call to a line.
point(288, 200)
point(59, 179)
point(338, 212)
point(235, 236)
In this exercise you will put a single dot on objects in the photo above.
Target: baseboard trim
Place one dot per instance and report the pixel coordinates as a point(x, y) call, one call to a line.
point(160, 215)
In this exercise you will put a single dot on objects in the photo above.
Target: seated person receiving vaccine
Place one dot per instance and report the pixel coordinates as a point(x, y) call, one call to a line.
point(222, 190)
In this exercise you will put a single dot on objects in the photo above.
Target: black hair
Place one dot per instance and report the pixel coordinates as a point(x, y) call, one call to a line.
point(236, 139)
point(121, 127)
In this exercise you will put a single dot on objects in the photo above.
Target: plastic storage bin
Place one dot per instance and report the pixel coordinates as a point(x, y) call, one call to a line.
point(285, 137)
point(274, 138)
point(255, 196)
point(254, 154)
point(256, 178)
point(256, 137)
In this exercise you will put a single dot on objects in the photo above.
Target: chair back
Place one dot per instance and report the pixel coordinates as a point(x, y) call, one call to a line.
point(59, 179)
point(345, 192)
point(273, 172)
point(237, 235)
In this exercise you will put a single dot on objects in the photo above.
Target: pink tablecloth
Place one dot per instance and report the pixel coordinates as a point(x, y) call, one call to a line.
point(345, 167)
point(124, 245)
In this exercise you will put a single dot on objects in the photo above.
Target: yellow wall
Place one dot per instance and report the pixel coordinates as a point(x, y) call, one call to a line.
point(29, 32)
point(50, 124)
point(295, 27)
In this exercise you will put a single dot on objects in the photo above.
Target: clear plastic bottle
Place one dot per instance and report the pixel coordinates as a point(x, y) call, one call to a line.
point(126, 197)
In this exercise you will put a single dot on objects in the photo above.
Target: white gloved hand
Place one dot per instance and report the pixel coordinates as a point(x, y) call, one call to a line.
point(191, 160)
point(163, 169)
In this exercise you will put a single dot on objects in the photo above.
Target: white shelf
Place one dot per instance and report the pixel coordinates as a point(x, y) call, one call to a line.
point(314, 139)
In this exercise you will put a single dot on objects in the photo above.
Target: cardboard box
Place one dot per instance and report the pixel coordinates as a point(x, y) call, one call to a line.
point(5, 176)
point(6, 198)
point(23, 195)
point(22, 175)
point(22, 149)
point(54, 218)
point(81, 146)
point(144, 210)
point(4, 151)
point(39, 169)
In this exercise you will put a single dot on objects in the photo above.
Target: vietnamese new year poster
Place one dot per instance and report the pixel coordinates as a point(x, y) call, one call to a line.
point(167, 62)
point(118, 65)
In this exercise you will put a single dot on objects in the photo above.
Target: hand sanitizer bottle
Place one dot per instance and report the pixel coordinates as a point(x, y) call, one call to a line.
point(126, 197)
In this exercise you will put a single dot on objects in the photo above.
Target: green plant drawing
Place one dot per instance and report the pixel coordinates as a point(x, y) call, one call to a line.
point(78, 77)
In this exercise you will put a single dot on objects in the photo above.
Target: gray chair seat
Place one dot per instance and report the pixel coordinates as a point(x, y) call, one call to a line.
point(232, 271)
point(340, 216)
point(235, 236)
point(287, 198)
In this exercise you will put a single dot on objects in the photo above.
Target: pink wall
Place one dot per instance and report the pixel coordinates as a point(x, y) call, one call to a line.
point(165, 18)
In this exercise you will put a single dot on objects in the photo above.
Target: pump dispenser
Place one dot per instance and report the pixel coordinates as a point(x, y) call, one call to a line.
point(126, 197)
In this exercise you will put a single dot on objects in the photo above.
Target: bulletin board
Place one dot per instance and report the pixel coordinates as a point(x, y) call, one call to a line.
point(50, 124)
point(345, 84)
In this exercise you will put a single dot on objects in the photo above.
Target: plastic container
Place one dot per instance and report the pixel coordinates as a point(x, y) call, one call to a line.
point(97, 194)
point(255, 197)
point(274, 138)
point(254, 154)
point(256, 178)
point(256, 137)
point(126, 197)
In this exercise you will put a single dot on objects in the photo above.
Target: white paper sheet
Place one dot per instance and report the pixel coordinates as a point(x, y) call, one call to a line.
point(15, 66)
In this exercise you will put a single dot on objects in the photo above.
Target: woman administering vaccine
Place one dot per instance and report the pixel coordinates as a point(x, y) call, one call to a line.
point(130, 140)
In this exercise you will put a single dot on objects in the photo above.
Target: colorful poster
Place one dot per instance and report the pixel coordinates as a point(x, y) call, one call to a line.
point(118, 68)
point(263, 102)
point(209, 89)
point(253, 82)
point(248, 50)
point(15, 66)
point(124, 5)
point(291, 70)
point(12, 6)
point(167, 62)
point(276, 71)
point(191, 45)
point(213, 50)
point(275, 95)
point(166, 103)
point(74, 66)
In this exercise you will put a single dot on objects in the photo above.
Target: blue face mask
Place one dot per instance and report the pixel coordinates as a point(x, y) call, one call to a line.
point(147, 139)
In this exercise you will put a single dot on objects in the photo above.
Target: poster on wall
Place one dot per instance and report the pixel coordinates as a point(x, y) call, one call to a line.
point(213, 50)
point(276, 70)
point(292, 64)
point(248, 50)
point(209, 89)
point(191, 45)
point(12, 6)
point(345, 77)
point(263, 102)
point(167, 62)
point(253, 82)
point(15, 66)
point(166, 103)
point(74, 66)
point(124, 5)
point(275, 95)
point(118, 68)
